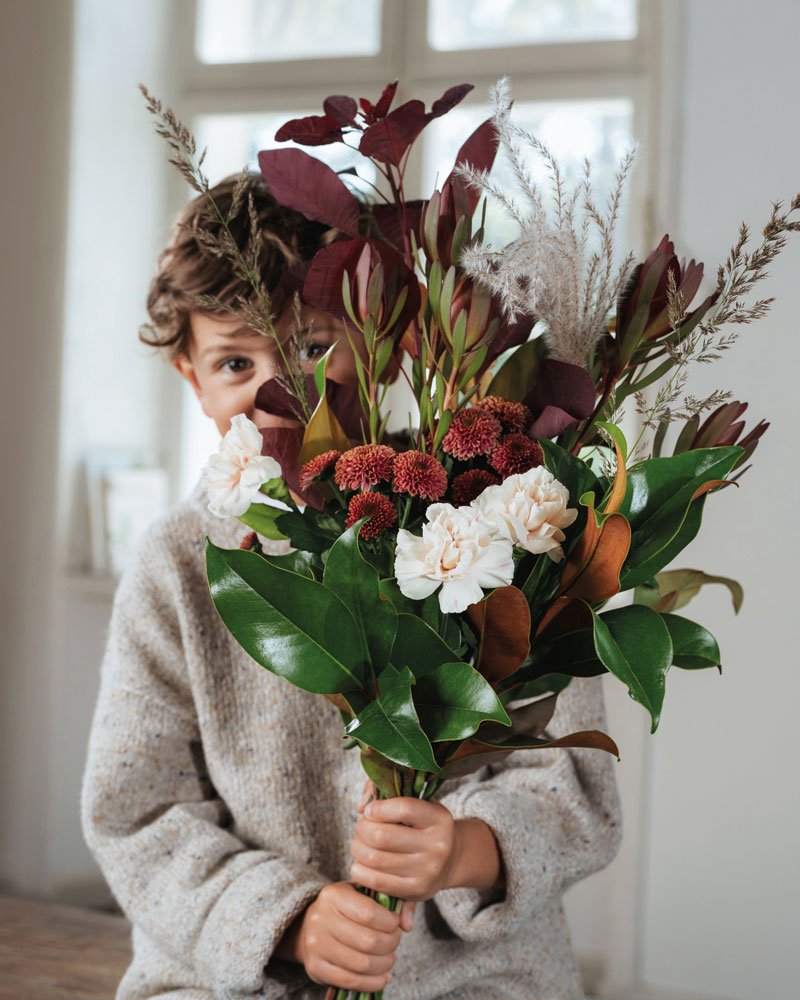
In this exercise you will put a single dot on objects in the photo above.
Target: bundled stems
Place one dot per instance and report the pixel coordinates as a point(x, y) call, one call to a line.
point(420, 786)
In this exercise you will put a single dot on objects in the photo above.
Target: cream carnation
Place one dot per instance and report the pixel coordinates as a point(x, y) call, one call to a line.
point(235, 473)
point(530, 509)
point(458, 551)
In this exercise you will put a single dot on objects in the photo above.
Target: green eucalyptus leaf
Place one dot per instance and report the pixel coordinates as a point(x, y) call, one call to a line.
point(694, 647)
point(390, 724)
point(293, 626)
point(356, 583)
point(634, 644)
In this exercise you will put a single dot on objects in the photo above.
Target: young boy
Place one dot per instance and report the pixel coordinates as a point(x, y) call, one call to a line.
point(218, 798)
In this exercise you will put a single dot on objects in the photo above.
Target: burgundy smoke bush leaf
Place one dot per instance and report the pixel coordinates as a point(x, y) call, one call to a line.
point(563, 395)
point(343, 399)
point(342, 109)
point(387, 140)
point(449, 99)
point(314, 130)
point(390, 221)
point(479, 151)
point(273, 398)
point(374, 112)
point(309, 186)
point(323, 285)
point(283, 444)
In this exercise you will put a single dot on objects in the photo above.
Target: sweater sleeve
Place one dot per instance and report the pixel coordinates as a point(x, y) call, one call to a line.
point(556, 817)
point(155, 824)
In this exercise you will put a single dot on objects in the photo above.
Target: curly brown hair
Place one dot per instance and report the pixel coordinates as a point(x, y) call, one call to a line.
point(192, 266)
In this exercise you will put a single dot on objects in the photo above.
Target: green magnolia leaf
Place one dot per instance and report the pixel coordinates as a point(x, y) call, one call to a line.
point(311, 531)
point(390, 725)
point(548, 684)
point(658, 497)
point(356, 583)
point(261, 518)
point(571, 472)
point(694, 647)
point(453, 700)
point(476, 753)
point(418, 647)
point(293, 626)
point(381, 771)
point(633, 576)
point(305, 563)
point(634, 644)
point(573, 654)
point(526, 720)
point(674, 589)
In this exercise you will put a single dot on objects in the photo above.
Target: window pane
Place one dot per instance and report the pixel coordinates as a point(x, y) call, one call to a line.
point(232, 31)
point(600, 131)
point(235, 140)
point(481, 24)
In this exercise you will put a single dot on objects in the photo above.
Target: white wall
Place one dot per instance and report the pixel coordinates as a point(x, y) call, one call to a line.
point(721, 878)
point(83, 205)
point(35, 70)
point(114, 392)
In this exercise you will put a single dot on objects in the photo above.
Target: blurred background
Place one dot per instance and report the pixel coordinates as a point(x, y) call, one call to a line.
point(99, 434)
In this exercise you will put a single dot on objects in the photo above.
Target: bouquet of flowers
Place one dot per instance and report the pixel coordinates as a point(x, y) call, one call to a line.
point(445, 584)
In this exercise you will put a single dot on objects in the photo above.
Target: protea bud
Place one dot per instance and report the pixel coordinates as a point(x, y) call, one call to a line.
point(720, 429)
point(643, 310)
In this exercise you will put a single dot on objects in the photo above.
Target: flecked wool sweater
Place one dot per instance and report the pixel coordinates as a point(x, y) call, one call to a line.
point(218, 800)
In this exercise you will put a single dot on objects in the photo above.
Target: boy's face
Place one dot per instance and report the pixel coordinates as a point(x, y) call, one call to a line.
point(227, 361)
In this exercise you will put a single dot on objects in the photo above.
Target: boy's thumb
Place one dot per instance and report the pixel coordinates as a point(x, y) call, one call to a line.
point(407, 916)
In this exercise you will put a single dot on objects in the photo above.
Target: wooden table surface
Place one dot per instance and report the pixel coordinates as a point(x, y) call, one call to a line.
point(54, 952)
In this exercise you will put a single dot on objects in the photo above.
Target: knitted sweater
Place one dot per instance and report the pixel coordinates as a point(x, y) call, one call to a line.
point(218, 800)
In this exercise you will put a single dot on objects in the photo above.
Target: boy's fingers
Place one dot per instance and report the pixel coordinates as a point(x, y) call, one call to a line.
point(370, 792)
point(390, 836)
point(407, 916)
point(412, 812)
point(366, 911)
point(363, 939)
point(327, 972)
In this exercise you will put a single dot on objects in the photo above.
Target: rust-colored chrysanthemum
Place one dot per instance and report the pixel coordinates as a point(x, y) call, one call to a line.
point(420, 475)
point(471, 484)
point(516, 453)
point(250, 541)
point(363, 467)
point(472, 432)
point(317, 467)
point(514, 416)
point(377, 507)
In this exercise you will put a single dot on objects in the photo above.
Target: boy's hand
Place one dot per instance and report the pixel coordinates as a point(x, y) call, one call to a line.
point(344, 939)
point(404, 847)
point(412, 849)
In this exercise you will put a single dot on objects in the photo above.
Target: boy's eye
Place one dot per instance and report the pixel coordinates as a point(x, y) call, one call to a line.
point(236, 365)
point(313, 350)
